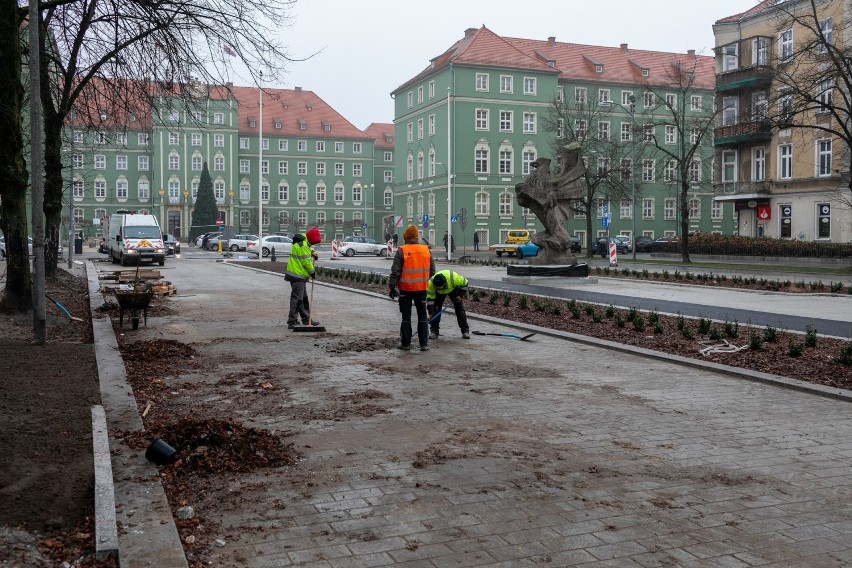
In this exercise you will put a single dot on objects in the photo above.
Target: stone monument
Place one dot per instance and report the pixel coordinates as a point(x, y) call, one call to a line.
point(547, 196)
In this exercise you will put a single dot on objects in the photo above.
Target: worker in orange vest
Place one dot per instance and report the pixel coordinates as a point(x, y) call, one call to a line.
point(413, 265)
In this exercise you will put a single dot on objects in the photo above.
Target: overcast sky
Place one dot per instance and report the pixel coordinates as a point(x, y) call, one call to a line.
point(370, 47)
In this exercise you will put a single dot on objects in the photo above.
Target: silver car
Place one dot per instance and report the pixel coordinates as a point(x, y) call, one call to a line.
point(350, 246)
point(280, 243)
point(240, 242)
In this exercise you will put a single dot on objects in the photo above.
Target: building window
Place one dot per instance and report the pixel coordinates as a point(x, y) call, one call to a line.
point(505, 161)
point(142, 138)
point(245, 191)
point(320, 193)
point(581, 95)
point(648, 133)
point(410, 99)
point(527, 159)
point(301, 193)
point(505, 83)
point(100, 162)
point(173, 138)
point(529, 123)
point(695, 103)
point(823, 96)
point(388, 176)
point(695, 135)
point(603, 96)
point(529, 85)
point(264, 194)
point(431, 89)
point(244, 143)
point(481, 203)
point(420, 94)
point(481, 119)
point(823, 152)
point(100, 138)
point(431, 125)
point(283, 145)
point(320, 168)
point(506, 201)
point(245, 167)
point(79, 189)
point(823, 221)
point(670, 172)
point(197, 163)
point(100, 188)
point(410, 132)
point(480, 160)
point(196, 139)
point(142, 163)
point(670, 134)
point(420, 129)
point(785, 161)
point(283, 167)
point(302, 145)
point(648, 208)
point(121, 189)
point(648, 99)
point(729, 166)
point(245, 217)
point(695, 171)
point(603, 130)
point(826, 27)
point(356, 147)
point(758, 164)
point(717, 211)
point(283, 192)
point(77, 161)
point(730, 59)
point(671, 100)
point(626, 169)
point(695, 208)
point(338, 194)
point(219, 190)
point(79, 137)
point(356, 170)
point(785, 46)
point(481, 81)
point(409, 167)
point(669, 209)
point(388, 197)
point(626, 132)
point(432, 162)
point(579, 129)
point(121, 162)
point(301, 168)
point(648, 171)
point(356, 194)
point(219, 163)
point(505, 121)
point(388, 156)
point(625, 209)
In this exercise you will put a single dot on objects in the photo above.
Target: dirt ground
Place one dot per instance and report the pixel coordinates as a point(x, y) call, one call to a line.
point(46, 393)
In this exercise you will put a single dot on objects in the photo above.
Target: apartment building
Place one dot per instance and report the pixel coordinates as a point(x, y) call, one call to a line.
point(283, 156)
point(469, 126)
point(784, 179)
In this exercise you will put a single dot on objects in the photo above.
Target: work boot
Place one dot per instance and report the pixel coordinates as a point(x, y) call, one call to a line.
point(466, 335)
point(311, 322)
point(433, 334)
point(291, 325)
point(424, 348)
point(404, 347)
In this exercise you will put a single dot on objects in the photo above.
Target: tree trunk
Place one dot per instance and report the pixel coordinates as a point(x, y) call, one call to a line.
point(53, 189)
point(684, 219)
point(17, 295)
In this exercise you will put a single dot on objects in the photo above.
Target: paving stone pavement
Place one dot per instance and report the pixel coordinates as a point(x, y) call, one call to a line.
point(494, 452)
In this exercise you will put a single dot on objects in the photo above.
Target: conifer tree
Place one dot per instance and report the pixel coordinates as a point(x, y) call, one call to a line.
point(205, 212)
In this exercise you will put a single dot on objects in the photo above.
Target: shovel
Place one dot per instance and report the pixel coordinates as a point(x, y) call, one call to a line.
point(433, 319)
point(512, 335)
point(61, 307)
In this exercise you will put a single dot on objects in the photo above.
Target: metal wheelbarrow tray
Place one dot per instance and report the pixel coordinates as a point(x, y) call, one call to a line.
point(136, 302)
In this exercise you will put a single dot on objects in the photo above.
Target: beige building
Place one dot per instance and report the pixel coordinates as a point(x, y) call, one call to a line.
point(783, 182)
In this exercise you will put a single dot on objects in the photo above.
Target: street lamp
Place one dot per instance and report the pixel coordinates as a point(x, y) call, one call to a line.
point(364, 198)
point(186, 212)
point(632, 111)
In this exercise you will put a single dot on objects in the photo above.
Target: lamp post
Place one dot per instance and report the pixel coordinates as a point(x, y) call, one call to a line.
point(364, 198)
point(162, 194)
point(231, 214)
point(186, 213)
point(632, 111)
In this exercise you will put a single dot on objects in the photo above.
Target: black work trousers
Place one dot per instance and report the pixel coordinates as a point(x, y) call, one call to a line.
point(419, 301)
point(458, 307)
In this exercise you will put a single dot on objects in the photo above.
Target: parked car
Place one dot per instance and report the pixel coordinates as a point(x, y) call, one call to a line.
point(240, 242)
point(601, 246)
point(643, 243)
point(350, 246)
point(628, 242)
point(60, 249)
point(667, 243)
point(526, 250)
point(280, 243)
point(576, 245)
point(200, 239)
point(213, 242)
point(171, 243)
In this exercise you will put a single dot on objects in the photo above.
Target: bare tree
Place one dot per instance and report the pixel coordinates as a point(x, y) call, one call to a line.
point(813, 81)
point(687, 129)
point(116, 50)
point(607, 158)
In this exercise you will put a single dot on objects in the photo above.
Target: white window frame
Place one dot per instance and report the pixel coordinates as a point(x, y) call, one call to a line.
point(823, 161)
point(529, 126)
point(758, 163)
point(506, 83)
point(785, 161)
point(530, 86)
point(480, 119)
point(481, 82)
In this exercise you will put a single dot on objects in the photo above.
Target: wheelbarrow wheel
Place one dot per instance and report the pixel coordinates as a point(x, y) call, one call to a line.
point(136, 323)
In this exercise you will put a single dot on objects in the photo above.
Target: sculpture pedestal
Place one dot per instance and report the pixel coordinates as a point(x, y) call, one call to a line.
point(550, 270)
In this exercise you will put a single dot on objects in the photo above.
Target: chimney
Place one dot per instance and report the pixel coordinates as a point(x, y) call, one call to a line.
point(551, 40)
point(624, 47)
point(691, 53)
point(469, 32)
point(298, 89)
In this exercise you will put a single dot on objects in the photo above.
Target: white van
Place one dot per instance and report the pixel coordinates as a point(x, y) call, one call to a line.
point(134, 238)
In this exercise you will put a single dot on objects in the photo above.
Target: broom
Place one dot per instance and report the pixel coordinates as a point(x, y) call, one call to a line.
point(310, 326)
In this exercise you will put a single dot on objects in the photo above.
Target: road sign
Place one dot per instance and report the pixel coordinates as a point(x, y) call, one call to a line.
point(454, 219)
point(604, 221)
point(220, 221)
point(397, 222)
point(425, 221)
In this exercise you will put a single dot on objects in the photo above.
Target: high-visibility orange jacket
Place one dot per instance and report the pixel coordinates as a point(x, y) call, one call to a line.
point(412, 267)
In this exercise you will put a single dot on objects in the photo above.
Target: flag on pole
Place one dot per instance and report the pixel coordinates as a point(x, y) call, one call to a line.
point(228, 50)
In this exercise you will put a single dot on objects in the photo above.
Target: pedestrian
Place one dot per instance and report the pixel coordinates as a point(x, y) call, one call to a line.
point(446, 284)
point(476, 240)
point(387, 237)
point(395, 240)
point(412, 267)
point(204, 240)
point(446, 241)
point(300, 268)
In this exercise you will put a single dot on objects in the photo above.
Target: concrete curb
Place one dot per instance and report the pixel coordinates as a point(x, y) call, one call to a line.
point(106, 527)
point(149, 536)
point(767, 378)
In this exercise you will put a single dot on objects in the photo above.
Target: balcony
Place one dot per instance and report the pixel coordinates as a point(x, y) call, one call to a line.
point(743, 188)
point(742, 133)
point(744, 78)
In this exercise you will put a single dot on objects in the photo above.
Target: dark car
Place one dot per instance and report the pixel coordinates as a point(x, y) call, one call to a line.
point(663, 244)
point(643, 243)
point(171, 243)
point(576, 245)
point(601, 247)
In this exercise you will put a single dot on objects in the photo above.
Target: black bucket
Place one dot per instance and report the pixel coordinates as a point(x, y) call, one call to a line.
point(160, 452)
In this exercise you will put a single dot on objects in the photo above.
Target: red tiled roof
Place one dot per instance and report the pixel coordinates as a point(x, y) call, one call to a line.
point(571, 61)
point(291, 107)
point(381, 132)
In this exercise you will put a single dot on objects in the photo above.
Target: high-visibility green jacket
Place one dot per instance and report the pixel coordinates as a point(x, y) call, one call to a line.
point(300, 265)
point(454, 280)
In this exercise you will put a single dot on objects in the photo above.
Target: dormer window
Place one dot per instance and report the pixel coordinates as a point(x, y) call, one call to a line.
point(598, 68)
point(252, 122)
point(303, 125)
point(326, 126)
point(284, 104)
point(277, 123)
point(309, 106)
point(645, 72)
point(132, 117)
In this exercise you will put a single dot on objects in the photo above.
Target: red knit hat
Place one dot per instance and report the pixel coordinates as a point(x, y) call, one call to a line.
point(313, 235)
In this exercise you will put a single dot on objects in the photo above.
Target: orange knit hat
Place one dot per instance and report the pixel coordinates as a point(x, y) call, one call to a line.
point(411, 233)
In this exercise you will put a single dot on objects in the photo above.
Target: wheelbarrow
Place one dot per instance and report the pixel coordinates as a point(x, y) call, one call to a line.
point(136, 303)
